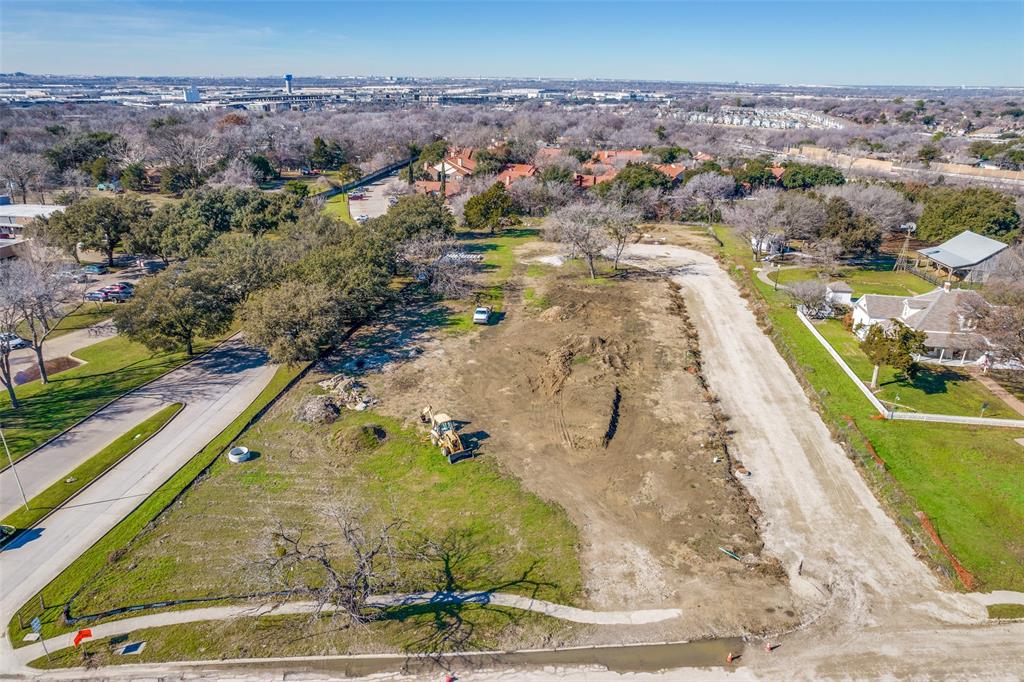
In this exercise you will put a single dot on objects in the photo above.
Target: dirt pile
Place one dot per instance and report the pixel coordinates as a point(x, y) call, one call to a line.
point(350, 392)
point(317, 409)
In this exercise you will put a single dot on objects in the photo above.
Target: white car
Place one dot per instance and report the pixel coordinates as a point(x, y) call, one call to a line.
point(13, 341)
point(362, 218)
point(482, 315)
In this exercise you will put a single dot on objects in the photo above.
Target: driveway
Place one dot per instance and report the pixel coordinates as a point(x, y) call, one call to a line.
point(843, 554)
point(63, 345)
point(216, 388)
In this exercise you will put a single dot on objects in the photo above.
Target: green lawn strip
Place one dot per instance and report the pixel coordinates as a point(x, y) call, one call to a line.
point(965, 478)
point(337, 208)
point(82, 316)
point(74, 577)
point(1007, 611)
point(935, 390)
point(58, 493)
point(410, 630)
point(113, 367)
point(862, 281)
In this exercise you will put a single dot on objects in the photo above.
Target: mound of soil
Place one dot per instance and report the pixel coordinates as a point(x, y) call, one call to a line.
point(317, 409)
point(360, 438)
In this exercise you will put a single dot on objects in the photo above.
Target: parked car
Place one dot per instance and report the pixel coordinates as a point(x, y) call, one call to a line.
point(98, 296)
point(7, 533)
point(130, 285)
point(13, 341)
point(94, 269)
point(362, 218)
point(392, 201)
point(119, 296)
point(118, 288)
point(482, 315)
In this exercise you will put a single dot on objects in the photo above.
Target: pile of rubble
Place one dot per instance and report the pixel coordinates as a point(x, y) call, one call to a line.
point(349, 392)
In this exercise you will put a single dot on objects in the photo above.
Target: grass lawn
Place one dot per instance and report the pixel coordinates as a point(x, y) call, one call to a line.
point(337, 208)
point(407, 629)
point(113, 367)
point(863, 281)
point(936, 390)
point(493, 534)
point(61, 589)
point(498, 267)
point(90, 470)
point(84, 315)
point(965, 478)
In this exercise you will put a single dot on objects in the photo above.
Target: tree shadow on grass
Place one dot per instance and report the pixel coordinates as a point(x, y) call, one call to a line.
point(930, 381)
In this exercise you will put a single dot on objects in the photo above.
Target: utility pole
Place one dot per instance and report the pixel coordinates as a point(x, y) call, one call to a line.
point(11, 460)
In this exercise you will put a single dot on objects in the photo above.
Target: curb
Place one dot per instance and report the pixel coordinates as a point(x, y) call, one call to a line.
point(92, 414)
point(99, 475)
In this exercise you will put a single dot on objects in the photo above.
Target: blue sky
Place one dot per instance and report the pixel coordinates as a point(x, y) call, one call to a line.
point(823, 42)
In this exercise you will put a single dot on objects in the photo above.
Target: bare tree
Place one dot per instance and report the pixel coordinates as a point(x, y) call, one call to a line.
point(341, 574)
point(825, 252)
point(581, 226)
point(440, 261)
point(884, 206)
point(800, 216)
point(810, 294)
point(46, 285)
point(706, 190)
point(756, 220)
point(21, 170)
point(11, 297)
point(622, 225)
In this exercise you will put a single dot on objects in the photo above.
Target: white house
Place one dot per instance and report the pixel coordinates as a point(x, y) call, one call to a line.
point(968, 256)
point(949, 335)
point(839, 293)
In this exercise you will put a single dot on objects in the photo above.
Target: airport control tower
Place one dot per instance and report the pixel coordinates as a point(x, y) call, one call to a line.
point(288, 83)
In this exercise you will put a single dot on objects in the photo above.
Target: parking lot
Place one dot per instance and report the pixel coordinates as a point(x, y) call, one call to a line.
point(374, 202)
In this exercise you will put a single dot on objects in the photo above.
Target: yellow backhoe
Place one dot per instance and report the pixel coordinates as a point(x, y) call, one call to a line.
point(443, 433)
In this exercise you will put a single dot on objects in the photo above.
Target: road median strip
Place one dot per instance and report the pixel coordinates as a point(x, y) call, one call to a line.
point(60, 493)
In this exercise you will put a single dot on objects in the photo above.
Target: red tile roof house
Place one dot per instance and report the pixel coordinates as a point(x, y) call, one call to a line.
point(674, 171)
point(516, 171)
point(618, 157)
point(950, 336)
point(460, 162)
point(451, 187)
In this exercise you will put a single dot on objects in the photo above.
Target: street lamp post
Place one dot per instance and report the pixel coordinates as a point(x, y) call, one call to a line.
point(15, 470)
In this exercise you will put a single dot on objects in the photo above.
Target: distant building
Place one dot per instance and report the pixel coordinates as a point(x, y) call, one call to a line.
point(22, 214)
point(288, 83)
point(191, 95)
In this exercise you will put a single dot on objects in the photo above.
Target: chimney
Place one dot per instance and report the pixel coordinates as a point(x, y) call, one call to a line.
point(946, 285)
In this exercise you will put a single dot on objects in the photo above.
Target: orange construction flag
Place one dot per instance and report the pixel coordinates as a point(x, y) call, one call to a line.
point(83, 634)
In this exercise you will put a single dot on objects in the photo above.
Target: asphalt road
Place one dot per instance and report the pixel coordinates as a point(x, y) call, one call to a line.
point(216, 388)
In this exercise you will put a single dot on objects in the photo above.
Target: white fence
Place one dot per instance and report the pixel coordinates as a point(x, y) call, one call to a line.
point(908, 416)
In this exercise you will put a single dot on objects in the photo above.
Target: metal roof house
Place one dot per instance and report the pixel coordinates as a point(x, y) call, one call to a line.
point(967, 257)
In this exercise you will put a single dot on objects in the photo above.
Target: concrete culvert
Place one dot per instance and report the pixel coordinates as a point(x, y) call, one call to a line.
point(317, 409)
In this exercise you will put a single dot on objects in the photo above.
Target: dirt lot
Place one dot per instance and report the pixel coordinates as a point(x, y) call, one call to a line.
point(586, 393)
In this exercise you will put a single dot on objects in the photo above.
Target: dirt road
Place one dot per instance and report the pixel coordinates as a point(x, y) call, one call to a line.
point(839, 548)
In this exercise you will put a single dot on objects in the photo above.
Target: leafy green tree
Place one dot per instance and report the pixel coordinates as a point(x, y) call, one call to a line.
point(805, 175)
point(949, 211)
point(894, 345)
point(489, 162)
point(79, 151)
point(326, 155)
point(100, 223)
point(294, 321)
point(855, 233)
point(263, 170)
point(175, 308)
point(661, 133)
point(669, 154)
point(492, 209)
point(133, 177)
point(414, 214)
point(557, 174)
point(99, 169)
point(177, 179)
point(928, 153)
point(297, 188)
point(581, 155)
point(434, 152)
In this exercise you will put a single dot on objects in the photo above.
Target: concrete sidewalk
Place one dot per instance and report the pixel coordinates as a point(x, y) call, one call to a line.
point(216, 389)
point(63, 345)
